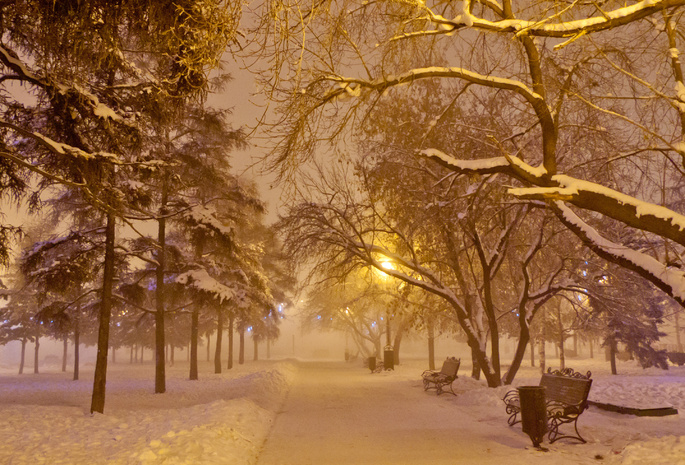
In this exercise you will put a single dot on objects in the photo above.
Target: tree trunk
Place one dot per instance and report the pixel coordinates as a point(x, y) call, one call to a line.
point(542, 354)
point(209, 341)
point(114, 355)
point(475, 370)
point(231, 320)
point(160, 374)
point(612, 355)
point(23, 356)
point(431, 346)
point(172, 354)
point(399, 334)
point(65, 347)
point(219, 335)
point(532, 352)
point(100, 377)
point(255, 343)
point(77, 342)
point(35, 355)
point(524, 338)
point(562, 355)
point(195, 320)
point(678, 342)
point(592, 350)
point(194, 335)
point(241, 349)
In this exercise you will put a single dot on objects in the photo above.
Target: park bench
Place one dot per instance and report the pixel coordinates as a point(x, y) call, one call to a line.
point(445, 377)
point(566, 395)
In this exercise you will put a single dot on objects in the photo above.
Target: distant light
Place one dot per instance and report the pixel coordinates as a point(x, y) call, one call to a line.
point(249, 328)
point(318, 317)
point(388, 265)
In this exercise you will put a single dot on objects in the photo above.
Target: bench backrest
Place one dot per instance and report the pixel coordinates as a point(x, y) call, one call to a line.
point(566, 389)
point(450, 367)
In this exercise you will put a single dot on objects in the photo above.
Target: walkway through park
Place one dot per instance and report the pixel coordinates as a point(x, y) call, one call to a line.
point(340, 413)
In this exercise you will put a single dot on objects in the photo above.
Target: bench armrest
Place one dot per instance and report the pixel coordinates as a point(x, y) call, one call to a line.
point(511, 397)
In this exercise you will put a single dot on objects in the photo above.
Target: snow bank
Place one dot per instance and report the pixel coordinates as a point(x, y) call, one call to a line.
point(226, 418)
point(219, 419)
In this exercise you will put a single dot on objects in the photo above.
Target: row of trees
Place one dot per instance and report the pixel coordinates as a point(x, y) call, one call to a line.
point(485, 149)
point(104, 124)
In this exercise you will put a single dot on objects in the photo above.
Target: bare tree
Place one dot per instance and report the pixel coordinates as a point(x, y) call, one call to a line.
point(565, 77)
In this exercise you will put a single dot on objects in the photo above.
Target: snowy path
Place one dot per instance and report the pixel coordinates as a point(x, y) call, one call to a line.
point(339, 413)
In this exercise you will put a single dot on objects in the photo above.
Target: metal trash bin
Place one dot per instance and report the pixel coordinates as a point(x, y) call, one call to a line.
point(389, 358)
point(372, 364)
point(533, 412)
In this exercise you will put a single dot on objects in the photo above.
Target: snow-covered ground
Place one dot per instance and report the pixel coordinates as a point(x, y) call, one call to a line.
point(45, 419)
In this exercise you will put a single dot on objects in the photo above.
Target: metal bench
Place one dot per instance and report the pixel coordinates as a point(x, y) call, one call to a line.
point(445, 377)
point(566, 395)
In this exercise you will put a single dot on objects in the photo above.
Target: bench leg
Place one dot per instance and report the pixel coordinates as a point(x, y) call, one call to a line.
point(554, 434)
point(451, 391)
point(511, 421)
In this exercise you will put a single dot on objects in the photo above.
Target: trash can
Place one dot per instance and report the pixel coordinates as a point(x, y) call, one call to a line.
point(389, 358)
point(372, 364)
point(533, 412)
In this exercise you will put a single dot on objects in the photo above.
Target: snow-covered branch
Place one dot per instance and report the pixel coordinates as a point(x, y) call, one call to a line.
point(584, 194)
point(60, 148)
point(201, 280)
point(352, 87)
point(90, 101)
point(669, 280)
point(549, 27)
